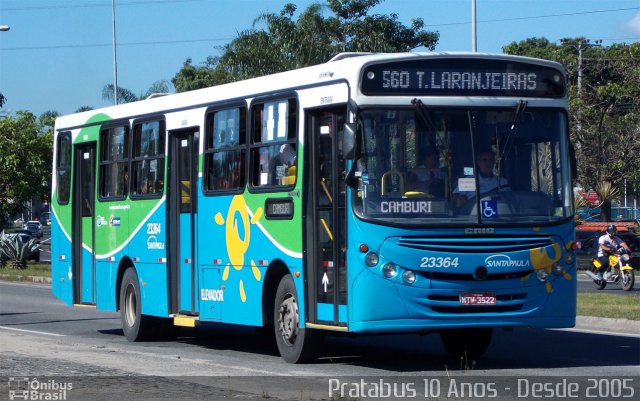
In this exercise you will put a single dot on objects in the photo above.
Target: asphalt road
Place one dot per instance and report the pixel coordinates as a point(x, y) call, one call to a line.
point(41, 337)
point(585, 284)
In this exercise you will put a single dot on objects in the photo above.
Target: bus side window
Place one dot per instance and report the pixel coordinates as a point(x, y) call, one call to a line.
point(273, 148)
point(224, 153)
point(114, 159)
point(147, 166)
point(63, 160)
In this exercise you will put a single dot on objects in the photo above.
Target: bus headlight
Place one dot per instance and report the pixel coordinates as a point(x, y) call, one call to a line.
point(389, 270)
point(542, 275)
point(371, 259)
point(409, 277)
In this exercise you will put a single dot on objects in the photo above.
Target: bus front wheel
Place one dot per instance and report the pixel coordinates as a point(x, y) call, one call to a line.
point(134, 325)
point(294, 343)
point(470, 344)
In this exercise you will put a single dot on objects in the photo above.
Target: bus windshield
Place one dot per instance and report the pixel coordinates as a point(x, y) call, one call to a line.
point(435, 166)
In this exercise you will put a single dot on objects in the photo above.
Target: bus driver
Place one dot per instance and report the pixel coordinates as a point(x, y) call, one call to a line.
point(487, 180)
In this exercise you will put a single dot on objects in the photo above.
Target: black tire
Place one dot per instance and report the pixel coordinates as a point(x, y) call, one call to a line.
point(296, 345)
point(135, 325)
point(469, 344)
point(628, 279)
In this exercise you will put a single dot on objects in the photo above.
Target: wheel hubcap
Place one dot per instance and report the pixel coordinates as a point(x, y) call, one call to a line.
point(289, 319)
point(130, 305)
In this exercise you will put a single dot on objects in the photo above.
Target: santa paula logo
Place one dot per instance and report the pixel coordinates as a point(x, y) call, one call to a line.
point(501, 260)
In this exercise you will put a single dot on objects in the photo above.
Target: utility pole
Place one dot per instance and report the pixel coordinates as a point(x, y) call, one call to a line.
point(3, 28)
point(474, 33)
point(115, 59)
point(580, 45)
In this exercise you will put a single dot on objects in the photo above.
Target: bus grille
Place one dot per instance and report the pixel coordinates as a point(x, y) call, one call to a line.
point(470, 277)
point(474, 244)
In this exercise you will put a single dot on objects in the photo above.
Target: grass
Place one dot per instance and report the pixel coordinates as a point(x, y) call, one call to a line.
point(33, 269)
point(609, 305)
point(599, 304)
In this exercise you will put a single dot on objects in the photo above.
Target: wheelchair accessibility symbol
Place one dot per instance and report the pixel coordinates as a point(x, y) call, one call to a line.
point(489, 209)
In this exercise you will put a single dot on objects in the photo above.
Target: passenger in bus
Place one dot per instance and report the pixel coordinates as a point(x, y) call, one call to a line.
point(427, 177)
point(487, 180)
point(287, 161)
point(158, 186)
point(147, 187)
point(125, 181)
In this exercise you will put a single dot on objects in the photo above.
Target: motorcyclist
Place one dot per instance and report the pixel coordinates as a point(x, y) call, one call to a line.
point(608, 244)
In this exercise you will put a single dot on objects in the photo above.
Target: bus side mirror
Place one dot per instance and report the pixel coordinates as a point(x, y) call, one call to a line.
point(349, 141)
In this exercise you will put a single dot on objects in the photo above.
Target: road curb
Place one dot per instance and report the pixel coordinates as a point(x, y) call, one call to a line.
point(604, 324)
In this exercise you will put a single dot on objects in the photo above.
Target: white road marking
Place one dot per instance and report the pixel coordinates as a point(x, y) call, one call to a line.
point(33, 331)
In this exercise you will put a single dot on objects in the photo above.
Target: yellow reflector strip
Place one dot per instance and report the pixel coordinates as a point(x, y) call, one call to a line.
point(326, 327)
point(184, 321)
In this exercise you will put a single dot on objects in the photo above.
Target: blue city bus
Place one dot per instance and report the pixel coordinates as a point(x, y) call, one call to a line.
point(375, 193)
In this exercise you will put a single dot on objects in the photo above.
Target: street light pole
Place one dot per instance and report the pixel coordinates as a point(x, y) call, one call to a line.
point(3, 28)
point(115, 58)
point(474, 33)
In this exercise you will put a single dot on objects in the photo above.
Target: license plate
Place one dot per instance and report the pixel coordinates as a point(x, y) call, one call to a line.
point(477, 298)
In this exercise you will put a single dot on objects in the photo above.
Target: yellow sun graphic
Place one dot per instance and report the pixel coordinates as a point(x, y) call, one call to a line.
point(237, 246)
point(541, 260)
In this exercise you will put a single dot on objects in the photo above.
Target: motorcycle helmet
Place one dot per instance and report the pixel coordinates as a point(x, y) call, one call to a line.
point(612, 229)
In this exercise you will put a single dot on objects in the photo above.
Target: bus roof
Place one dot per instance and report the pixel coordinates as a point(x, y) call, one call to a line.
point(343, 67)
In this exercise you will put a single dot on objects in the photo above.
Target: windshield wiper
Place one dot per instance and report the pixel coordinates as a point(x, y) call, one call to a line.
point(521, 106)
point(424, 116)
point(515, 123)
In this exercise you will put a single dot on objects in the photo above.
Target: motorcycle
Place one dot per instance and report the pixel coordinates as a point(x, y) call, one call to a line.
point(618, 272)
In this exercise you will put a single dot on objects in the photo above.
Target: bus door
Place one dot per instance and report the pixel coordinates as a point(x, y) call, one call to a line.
point(83, 259)
point(326, 236)
point(181, 230)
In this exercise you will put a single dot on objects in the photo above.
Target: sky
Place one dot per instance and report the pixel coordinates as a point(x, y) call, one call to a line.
point(58, 54)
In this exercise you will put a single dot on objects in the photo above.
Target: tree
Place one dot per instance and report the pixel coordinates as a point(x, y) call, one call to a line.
point(191, 77)
point(604, 112)
point(25, 161)
point(3, 100)
point(285, 43)
point(127, 96)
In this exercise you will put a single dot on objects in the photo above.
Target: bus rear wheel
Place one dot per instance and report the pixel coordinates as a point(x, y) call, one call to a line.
point(296, 345)
point(470, 344)
point(136, 327)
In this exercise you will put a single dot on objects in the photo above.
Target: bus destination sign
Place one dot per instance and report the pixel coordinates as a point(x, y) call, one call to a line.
point(458, 77)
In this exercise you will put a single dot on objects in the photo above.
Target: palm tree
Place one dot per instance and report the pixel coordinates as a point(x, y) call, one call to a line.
point(606, 192)
point(3, 100)
point(127, 96)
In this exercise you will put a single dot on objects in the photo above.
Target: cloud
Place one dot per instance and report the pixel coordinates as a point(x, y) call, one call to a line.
point(633, 25)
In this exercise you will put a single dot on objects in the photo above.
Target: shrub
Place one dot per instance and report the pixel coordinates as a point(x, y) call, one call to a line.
point(14, 251)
